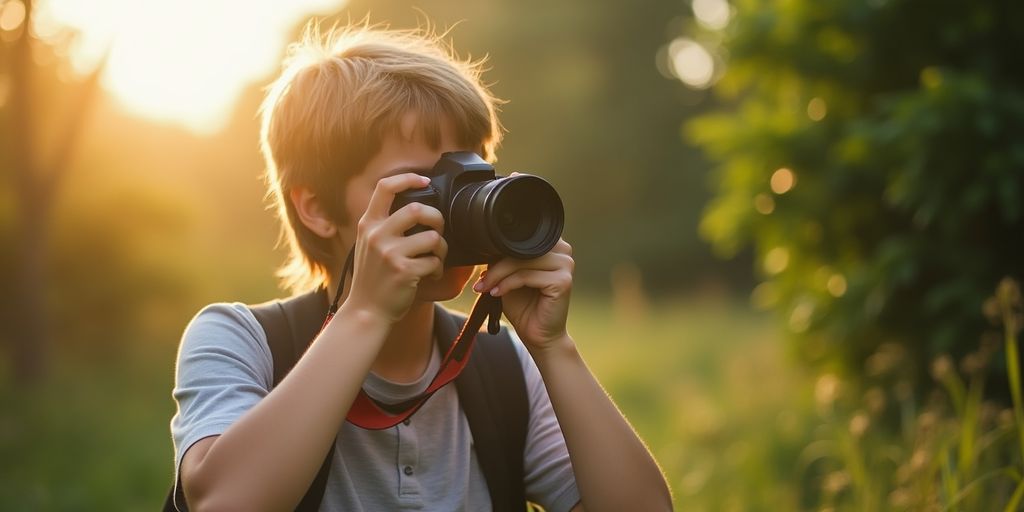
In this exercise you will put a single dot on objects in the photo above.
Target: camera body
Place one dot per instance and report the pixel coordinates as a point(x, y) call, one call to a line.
point(488, 217)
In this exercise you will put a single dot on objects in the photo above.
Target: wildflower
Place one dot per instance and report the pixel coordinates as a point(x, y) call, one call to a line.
point(900, 498)
point(874, 400)
point(942, 367)
point(1006, 417)
point(826, 390)
point(836, 481)
point(859, 424)
point(919, 460)
point(885, 359)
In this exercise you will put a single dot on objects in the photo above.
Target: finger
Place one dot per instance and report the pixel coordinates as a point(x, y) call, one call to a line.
point(562, 247)
point(412, 214)
point(424, 266)
point(500, 270)
point(550, 283)
point(425, 243)
point(386, 189)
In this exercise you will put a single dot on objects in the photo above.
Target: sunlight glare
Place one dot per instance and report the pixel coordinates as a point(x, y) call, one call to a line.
point(185, 61)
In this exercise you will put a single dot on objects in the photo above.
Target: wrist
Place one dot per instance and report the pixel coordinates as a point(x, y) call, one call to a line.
point(558, 349)
point(365, 319)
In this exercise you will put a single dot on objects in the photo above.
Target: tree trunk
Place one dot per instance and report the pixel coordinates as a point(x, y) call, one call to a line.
point(29, 333)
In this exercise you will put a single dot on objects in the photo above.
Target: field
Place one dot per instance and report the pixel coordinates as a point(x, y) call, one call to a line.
point(707, 383)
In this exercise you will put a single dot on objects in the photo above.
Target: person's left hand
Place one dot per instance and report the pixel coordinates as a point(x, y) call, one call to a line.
point(535, 294)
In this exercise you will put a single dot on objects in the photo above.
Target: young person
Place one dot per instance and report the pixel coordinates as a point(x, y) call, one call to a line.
point(346, 126)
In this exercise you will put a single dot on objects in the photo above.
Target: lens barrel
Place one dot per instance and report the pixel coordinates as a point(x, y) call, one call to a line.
point(519, 216)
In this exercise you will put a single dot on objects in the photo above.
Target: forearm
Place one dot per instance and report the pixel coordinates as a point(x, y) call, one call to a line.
point(613, 469)
point(266, 460)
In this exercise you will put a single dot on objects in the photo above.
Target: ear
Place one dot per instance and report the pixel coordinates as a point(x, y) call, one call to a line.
point(312, 213)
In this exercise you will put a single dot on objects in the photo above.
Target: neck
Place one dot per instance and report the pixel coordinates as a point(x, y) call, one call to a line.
point(406, 351)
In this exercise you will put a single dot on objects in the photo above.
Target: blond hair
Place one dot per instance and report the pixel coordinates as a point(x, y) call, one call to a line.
point(339, 95)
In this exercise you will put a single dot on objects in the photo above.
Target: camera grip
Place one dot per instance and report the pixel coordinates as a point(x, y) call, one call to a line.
point(425, 196)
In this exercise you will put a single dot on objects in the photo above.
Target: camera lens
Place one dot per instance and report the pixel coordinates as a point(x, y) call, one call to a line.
point(514, 216)
point(520, 216)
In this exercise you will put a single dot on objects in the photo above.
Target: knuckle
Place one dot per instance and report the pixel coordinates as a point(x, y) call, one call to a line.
point(393, 258)
point(565, 280)
point(363, 224)
point(371, 234)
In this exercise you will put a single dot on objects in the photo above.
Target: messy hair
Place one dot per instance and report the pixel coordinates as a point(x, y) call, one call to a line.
point(340, 94)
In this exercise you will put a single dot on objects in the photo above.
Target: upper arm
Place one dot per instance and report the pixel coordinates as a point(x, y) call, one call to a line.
point(224, 368)
point(193, 457)
point(549, 478)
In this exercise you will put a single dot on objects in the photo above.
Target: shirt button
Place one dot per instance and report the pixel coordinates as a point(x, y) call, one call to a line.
point(407, 470)
point(407, 422)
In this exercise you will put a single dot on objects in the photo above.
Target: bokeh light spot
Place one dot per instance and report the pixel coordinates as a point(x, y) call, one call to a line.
point(776, 260)
point(713, 14)
point(12, 15)
point(691, 63)
point(764, 296)
point(836, 285)
point(800, 318)
point(782, 180)
point(817, 109)
point(764, 204)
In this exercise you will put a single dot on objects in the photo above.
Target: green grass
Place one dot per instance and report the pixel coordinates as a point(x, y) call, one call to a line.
point(94, 437)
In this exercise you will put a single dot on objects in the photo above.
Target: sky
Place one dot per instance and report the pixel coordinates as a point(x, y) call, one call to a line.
point(184, 62)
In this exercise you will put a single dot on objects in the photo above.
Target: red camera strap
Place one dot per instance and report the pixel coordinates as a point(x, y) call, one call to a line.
point(369, 414)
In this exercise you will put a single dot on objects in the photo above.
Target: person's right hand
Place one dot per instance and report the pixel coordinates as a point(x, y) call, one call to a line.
point(389, 265)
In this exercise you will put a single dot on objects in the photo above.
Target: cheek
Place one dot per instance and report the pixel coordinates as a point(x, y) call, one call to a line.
point(448, 287)
point(459, 274)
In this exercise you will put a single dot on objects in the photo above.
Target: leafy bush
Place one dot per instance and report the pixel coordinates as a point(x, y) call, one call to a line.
point(954, 451)
point(871, 155)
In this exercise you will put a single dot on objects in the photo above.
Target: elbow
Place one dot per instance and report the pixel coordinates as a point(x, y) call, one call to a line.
point(225, 499)
point(211, 504)
point(203, 497)
point(221, 502)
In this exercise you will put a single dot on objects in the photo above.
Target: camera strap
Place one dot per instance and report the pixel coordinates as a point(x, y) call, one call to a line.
point(370, 414)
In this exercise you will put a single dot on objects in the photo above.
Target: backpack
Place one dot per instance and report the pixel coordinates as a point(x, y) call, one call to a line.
point(491, 390)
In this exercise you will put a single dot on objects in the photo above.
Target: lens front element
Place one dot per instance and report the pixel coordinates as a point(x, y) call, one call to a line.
point(524, 216)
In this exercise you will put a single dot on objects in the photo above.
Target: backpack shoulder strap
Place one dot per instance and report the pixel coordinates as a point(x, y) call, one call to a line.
point(290, 326)
point(492, 392)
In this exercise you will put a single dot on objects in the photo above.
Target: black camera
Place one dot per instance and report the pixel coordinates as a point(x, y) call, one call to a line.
point(488, 217)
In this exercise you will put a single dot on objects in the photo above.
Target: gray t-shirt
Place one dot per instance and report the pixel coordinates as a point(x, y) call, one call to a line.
point(225, 367)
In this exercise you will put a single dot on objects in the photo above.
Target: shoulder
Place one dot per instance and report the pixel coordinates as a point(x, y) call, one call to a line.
point(225, 332)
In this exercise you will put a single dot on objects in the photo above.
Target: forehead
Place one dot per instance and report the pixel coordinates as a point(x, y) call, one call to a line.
point(414, 143)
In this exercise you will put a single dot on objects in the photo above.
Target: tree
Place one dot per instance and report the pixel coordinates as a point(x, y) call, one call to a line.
point(871, 153)
point(34, 177)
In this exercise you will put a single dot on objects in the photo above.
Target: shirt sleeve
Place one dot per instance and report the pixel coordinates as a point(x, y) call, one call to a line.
point(224, 368)
point(549, 477)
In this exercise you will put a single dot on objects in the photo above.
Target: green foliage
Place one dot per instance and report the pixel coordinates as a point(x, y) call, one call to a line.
point(954, 449)
point(899, 123)
point(92, 437)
